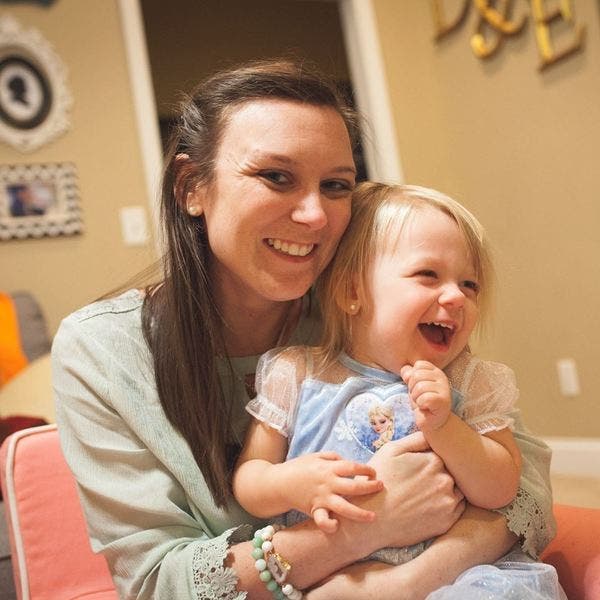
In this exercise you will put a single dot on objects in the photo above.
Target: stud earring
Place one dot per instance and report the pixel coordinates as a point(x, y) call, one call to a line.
point(353, 308)
point(194, 210)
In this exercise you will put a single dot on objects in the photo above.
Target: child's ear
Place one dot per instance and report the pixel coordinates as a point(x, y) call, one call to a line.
point(350, 303)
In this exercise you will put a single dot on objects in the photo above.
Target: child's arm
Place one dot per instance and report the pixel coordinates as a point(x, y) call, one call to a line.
point(486, 468)
point(313, 484)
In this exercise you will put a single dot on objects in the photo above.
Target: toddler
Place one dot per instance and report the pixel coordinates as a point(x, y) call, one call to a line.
point(399, 300)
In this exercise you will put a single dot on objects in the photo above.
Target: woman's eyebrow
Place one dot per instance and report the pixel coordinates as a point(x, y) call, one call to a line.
point(261, 155)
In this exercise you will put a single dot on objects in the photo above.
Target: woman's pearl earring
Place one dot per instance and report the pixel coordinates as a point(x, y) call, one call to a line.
point(353, 308)
point(194, 210)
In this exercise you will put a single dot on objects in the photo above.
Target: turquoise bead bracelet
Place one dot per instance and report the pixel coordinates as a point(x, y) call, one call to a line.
point(272, 568)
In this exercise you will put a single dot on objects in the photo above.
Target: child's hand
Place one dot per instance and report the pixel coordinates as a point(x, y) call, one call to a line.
point(320, 482)
point(430, 394)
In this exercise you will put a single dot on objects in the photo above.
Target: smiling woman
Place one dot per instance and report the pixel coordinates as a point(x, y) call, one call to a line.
point(151, 385)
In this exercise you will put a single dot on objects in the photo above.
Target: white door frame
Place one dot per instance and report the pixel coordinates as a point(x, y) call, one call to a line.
point(368, 80)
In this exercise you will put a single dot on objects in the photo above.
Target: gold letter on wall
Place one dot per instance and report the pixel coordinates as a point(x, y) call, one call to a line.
point(442, 26)
point(542, 31)
point(498, 21)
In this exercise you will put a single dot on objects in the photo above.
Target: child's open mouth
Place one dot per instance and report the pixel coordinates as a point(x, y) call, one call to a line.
point(439, 334)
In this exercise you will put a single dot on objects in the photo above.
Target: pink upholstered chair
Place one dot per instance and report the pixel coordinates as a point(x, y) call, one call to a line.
point(51, 554)
point(52, 557)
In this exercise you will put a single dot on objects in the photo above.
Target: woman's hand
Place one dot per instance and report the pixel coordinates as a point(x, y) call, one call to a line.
point(419, 500)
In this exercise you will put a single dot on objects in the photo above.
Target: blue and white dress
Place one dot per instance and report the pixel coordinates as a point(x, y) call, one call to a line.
point(353, 409)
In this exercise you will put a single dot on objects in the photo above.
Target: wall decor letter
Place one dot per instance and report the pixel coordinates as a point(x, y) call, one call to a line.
point(498, 22)
point(442, 25)
point(543, 20)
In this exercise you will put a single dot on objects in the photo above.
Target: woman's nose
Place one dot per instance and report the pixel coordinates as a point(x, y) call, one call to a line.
point(310, 211)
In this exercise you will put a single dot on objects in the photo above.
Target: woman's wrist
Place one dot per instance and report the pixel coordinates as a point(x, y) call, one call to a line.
point(315, 554)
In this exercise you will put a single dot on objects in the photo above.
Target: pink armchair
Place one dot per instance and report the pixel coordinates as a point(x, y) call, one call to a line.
point(52, 558)
point(51, 554)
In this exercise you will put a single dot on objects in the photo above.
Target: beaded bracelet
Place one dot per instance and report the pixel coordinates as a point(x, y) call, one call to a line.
point(272, 568)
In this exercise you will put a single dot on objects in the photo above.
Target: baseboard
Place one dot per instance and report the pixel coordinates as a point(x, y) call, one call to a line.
point(579, 457)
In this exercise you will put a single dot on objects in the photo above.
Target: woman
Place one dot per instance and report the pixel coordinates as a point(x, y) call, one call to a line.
point(151, 385)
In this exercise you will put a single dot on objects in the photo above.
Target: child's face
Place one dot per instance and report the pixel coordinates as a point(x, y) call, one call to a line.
point(422, 297)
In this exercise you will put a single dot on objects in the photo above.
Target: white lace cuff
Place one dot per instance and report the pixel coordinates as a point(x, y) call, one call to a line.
point(212, 579)
point(525, 518)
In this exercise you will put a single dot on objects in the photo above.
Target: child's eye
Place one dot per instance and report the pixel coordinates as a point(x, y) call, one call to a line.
point(471, 285)
point(427, 273)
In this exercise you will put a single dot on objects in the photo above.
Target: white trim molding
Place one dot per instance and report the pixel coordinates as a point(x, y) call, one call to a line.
point(144, 102)
point(578, 457)
point(370, 85)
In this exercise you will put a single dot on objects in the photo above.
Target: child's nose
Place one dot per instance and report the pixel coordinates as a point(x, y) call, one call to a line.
point(452, 295)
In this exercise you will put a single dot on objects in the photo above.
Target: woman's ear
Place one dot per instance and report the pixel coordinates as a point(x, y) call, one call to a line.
point(190, 201)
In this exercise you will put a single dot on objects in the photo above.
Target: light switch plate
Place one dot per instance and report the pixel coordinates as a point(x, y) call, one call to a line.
point(134, 226)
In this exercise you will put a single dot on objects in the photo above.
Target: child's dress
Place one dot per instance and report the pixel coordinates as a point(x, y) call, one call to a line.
point(353, 409)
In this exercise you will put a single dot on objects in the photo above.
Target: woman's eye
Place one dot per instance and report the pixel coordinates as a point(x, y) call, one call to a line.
point(276, 177)
point(337, 187)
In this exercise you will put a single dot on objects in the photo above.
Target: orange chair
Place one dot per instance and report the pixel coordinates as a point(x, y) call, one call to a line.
point(575, 551)
point(51, 554)
point(52, 558)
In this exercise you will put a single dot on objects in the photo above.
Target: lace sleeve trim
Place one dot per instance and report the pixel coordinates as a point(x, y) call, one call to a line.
point(273, 416)
point(487, 423)
point(525, 518)
point(212, 579)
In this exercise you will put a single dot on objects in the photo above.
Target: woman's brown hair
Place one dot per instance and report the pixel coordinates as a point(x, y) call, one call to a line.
point(181, 320)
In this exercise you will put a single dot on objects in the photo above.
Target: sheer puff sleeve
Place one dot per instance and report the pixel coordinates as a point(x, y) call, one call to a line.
point(279, 374)
point(489, 391)
point(529, 515)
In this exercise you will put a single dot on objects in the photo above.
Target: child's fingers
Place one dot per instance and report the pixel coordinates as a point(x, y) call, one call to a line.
point(347, 468)
point(346, 509)
point(328, 455)
point(358, 486)
point(323, 521)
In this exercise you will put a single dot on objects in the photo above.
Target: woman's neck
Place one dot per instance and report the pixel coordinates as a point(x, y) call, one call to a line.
point(252, 330)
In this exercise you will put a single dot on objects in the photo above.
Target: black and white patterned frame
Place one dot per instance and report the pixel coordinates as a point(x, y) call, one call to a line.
point(38, 200)
point(34, 97)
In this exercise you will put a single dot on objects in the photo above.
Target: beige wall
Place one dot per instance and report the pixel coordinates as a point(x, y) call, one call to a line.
point(66, 272)
point(521, 148)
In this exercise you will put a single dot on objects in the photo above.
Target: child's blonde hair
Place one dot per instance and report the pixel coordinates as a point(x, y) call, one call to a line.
point(379, 213)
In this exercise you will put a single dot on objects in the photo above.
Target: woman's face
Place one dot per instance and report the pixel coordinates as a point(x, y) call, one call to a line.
point(279, 200)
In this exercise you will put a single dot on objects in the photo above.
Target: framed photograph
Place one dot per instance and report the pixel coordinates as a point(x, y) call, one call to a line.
point(34, 98)
point(39, 200)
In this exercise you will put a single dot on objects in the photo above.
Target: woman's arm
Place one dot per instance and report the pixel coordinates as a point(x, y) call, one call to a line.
point(419, 501)
point(265, 485)
point(478, 537)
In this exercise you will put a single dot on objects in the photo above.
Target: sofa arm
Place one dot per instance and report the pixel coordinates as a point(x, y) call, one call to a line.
point(575, 551)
